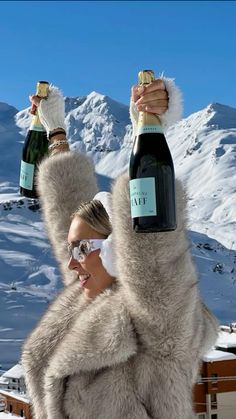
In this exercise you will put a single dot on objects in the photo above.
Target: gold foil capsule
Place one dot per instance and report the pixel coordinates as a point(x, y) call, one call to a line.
point(42, 89)
point(146, 76)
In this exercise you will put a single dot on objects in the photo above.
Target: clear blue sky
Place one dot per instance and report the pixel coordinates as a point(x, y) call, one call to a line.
point(101, 45)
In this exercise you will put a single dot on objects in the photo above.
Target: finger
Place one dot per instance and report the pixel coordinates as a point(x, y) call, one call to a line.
point(135, 93)
point(35, 100)
point(155, 95)
point(153, 107)
point(157, 84)
point(156, 110)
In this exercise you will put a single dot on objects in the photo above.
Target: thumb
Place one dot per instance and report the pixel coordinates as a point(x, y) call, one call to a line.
point(35, 100)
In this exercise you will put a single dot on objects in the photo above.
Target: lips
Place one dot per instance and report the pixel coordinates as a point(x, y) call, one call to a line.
point(83, 279)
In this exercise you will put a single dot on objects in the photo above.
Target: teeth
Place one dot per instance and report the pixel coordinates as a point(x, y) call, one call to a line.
point(83, 277)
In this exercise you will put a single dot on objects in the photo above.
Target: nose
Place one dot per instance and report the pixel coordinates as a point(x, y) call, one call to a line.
point(73, 263)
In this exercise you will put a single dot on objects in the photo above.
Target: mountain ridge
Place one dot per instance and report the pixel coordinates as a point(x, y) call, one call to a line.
point(203, 147)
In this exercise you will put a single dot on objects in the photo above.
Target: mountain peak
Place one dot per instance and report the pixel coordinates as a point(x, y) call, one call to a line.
point(216, 106)
point(93, 98)
point(214, 116)
point(7, 111)
point(95, 95)
point(222, 116)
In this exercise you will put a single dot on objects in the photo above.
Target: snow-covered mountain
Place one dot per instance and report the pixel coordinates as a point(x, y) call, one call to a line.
point(204, 151)
point(96, 125)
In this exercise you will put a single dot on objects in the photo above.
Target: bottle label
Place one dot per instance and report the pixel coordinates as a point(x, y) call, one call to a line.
point(143, 197)
point(36, 124)
point(143, 129)
point(26, 175)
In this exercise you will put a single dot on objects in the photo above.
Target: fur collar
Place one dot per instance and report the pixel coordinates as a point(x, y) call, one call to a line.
point(100, 337)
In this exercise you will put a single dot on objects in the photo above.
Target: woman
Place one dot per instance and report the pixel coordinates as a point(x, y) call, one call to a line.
point(123, 339)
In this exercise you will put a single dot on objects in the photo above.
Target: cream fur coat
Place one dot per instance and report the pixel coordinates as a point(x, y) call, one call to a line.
point(134, 351)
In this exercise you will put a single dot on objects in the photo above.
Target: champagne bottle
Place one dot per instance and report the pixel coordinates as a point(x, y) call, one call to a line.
point(152, 178)
point(35, 148)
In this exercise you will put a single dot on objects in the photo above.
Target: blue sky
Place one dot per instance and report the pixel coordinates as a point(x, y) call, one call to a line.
point(101, 45)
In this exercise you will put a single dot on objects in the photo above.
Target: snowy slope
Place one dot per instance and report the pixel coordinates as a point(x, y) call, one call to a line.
point(216, 267)
point(203, 146)
point(204, 150)
point(29, 278)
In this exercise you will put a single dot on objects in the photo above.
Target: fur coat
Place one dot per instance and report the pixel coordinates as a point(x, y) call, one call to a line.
point(134, 351)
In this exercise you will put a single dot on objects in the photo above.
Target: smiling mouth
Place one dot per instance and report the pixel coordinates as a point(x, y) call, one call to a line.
point(83, 279)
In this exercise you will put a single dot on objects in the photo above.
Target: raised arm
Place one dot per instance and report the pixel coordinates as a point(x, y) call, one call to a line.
point(156, 269)
point(160, 287)
point(65, 179)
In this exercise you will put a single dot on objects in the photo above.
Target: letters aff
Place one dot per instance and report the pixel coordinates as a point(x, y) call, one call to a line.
point(138, 201)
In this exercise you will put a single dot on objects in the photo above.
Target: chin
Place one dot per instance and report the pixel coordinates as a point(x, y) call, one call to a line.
point(91, 293)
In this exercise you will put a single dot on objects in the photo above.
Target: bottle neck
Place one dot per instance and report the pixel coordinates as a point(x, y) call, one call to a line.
point(149, 123)
point(36, 124)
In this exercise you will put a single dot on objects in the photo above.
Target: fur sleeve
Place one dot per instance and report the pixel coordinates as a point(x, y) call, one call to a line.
point(64, 181)
point(158, 276)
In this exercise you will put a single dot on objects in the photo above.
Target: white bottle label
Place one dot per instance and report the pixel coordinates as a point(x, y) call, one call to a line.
point(143, 197)
point(26, 175)
point(144, 129)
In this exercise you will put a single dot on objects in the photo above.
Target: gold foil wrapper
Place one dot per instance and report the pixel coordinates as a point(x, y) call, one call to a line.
point(36, 120)
point(146, 76)
point(42, 89)
point(146, 118)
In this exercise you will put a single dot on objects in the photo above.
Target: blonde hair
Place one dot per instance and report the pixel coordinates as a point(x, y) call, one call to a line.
point(95, 215)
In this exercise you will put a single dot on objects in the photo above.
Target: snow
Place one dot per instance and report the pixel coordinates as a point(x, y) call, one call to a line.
point(204, 149)
point(15, 394)
point(226, 340)
point(3, 381)
point(204, 152)
point(14, 372)
point(215, 355)
point(4, 415)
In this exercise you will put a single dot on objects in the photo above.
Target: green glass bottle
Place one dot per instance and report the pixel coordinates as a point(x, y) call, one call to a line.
point(152, 177)
point(35, 148)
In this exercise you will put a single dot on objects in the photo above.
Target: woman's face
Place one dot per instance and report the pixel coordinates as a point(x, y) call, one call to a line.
point(91, 273)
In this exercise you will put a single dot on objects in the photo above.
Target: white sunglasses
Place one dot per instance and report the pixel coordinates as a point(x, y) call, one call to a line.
point(82, 248)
